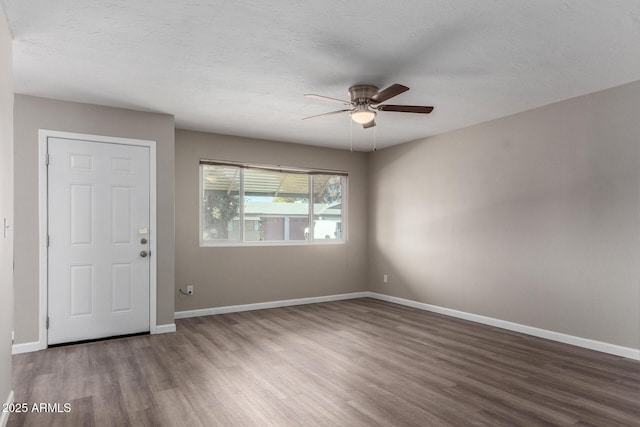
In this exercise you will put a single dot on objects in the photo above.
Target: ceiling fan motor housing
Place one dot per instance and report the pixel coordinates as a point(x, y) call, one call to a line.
point(361, 94)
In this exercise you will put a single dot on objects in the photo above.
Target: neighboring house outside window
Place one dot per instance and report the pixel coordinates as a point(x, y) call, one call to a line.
point(253, 204)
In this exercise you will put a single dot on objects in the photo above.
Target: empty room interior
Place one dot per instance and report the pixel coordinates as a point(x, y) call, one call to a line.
point(286, 213)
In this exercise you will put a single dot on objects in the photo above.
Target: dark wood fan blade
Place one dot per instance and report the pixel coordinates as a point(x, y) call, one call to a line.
point(370, 124)
point(325, 114)
point(405, 108)
point(326, 99)
point(388, 93)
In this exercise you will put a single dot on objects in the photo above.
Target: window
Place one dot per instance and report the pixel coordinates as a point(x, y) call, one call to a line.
point(247, 204)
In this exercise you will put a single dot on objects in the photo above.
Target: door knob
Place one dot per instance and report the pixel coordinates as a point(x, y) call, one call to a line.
point(143, 254)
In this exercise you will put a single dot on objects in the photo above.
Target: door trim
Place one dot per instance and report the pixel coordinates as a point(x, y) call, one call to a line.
point(43, 137)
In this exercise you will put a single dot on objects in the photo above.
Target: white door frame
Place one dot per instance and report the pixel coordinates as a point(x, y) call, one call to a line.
point(43, 137)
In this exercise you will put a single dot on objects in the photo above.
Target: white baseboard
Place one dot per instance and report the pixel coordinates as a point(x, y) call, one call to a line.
point(4, 416)
point(26, 347)
point(630, 353)
point(165, 329)
point(270, 304)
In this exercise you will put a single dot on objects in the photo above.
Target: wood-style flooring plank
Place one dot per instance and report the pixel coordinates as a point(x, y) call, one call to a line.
point(359, 362)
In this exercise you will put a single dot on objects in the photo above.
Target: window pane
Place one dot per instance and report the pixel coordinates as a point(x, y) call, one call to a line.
point(276, 205)
point(220, 203)
point(327, 206)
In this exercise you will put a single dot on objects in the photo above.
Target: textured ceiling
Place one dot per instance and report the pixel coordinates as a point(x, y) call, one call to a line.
point(242, 67)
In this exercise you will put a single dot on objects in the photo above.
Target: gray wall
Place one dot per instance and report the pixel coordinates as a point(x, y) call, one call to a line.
point(533, 218)
point(244, 275)
point(6, 207)
point(32, 114)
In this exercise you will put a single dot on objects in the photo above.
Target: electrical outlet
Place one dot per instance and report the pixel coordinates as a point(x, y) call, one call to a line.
point(385, 278)
point(189, 290)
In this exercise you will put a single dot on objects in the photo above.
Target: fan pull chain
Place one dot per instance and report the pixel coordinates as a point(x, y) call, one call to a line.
point(374, 138)
point(351, 132)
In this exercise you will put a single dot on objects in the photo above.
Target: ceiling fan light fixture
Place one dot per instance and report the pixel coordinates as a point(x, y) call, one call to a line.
point(365, 102)
point(363, 115)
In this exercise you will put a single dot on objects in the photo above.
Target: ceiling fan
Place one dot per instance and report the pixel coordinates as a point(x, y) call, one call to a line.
point(366, 101)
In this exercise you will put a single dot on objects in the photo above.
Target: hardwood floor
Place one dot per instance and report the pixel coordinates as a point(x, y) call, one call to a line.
point(360, 362)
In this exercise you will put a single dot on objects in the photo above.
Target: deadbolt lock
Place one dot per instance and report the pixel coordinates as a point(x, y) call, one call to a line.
point(143, 241)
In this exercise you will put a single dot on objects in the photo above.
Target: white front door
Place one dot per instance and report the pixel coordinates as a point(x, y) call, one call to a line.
point(98, 212)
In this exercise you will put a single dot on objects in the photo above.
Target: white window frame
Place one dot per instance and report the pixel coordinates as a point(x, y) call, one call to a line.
point(241, 242)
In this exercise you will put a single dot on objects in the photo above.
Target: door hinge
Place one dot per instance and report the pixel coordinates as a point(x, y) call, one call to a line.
point(47, 322)
point(47, 240)
point(46, 161)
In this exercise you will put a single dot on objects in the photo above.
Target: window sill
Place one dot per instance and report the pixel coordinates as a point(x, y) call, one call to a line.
point(328, 242)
